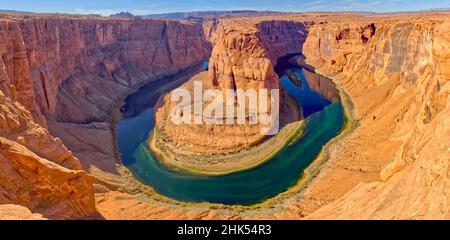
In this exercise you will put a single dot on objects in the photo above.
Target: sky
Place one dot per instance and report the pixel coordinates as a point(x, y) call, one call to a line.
point(142, 7)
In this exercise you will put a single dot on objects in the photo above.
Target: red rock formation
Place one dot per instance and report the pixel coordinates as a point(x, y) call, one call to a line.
point(80, 67)
point(245, 54)
point(396, 73)
point(74, 69)
point(96, 59)
point(41, 185)
point(15, 77)
point(36, 168)
point(243, 57)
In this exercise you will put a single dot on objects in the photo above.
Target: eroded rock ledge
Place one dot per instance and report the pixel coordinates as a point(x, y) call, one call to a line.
point(397, 74)
point(37, 170)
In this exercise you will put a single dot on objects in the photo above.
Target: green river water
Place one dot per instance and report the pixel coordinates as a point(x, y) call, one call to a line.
point(325, 119)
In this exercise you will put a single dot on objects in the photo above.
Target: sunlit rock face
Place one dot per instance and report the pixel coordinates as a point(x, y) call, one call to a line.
point(74, 69)
point(396, 72)
point(17, 212)
point(79, 67)
point(37, 170)
point(16, 124)
point(243, 57)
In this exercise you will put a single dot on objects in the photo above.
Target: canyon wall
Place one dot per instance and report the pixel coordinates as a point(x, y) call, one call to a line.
point(245, 54)
point(69, 71)
point(397, 75)
point(74, 69)
point(15, 77)
point(80, 67)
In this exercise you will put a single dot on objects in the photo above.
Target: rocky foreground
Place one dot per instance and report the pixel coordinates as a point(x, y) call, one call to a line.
point(62, 76)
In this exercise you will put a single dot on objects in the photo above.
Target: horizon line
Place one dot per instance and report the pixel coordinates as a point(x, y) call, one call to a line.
point(2, 11)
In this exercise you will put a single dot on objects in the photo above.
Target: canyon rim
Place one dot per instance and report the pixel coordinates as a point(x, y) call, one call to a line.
point(364, 116)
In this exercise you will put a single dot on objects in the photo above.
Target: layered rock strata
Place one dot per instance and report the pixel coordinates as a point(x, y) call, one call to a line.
point(79, 67)
point(37, 170)
point(70, 71)
point(396, 73)
point(243, 58)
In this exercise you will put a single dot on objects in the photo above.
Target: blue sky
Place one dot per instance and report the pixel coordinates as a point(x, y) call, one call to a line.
point(139, 7)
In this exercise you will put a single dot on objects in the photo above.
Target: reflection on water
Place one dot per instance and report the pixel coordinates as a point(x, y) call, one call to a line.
point(148, 95)
point(311, 101)
point(324, 121)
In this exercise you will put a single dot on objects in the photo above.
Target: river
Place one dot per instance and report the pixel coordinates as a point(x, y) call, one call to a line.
point(324, 116)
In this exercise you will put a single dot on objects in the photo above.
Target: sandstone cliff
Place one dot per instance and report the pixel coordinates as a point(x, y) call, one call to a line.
point(74, 69)
point(36, 169)
point(15, 78)
point(80, 67)
point(396, 73)
point(245, 54)
point(43, 186)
